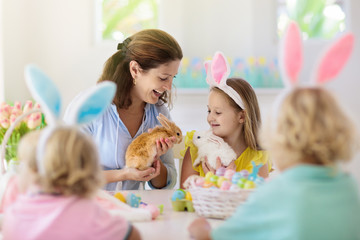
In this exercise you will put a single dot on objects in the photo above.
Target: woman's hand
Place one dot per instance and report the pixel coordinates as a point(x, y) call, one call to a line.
point(206, 166)
point(163, 145)
point(200, 229)
point(143, 175)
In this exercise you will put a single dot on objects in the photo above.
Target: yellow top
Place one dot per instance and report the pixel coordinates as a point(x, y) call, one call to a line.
point(242, 162)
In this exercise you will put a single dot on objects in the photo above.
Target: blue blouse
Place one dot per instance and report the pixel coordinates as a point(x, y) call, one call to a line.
point(112, 138)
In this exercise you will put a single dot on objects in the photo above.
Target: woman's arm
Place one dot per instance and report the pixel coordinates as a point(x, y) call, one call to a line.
point(186, 168)
point(129, 174)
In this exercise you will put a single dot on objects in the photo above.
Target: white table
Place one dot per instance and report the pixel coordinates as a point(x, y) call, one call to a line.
point(170, 225)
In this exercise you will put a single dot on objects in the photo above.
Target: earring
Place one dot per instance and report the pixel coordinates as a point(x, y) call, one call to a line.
point(134, 81)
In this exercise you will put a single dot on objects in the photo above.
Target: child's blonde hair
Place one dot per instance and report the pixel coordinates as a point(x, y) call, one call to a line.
point(252, 111)
point(310, 127)
point(70, 160)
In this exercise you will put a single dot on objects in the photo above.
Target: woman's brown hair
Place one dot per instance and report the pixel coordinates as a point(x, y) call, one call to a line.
point(149, 48)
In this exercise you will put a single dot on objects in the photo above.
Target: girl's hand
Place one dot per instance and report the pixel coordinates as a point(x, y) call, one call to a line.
point(206, 166)
point(163, 145)
point(143, 175)
point(230, 166)
point(200, 229)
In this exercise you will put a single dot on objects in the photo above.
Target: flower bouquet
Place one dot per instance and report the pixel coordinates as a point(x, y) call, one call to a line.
point(9, 114)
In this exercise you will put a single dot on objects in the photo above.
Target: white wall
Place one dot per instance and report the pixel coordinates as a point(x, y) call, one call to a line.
point(59, 37)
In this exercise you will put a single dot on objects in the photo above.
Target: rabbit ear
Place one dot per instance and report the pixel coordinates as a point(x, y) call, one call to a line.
point(44, 92)
point(219, 68)
point(334, 59)
point(92, 103)
point(215, 139)
point(291, 55)
point(207, 69)
point(163, 120)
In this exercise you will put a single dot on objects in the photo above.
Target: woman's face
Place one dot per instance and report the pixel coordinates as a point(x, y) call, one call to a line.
point(223, 119)
point(151, 84)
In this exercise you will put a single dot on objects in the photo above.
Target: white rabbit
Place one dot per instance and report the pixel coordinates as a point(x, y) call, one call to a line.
point(212, 146)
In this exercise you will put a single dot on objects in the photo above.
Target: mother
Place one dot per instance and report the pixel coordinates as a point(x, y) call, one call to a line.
point(143, 69)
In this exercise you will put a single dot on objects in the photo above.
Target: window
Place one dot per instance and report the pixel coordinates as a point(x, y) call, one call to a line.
point(122, 18)
point(316, 18)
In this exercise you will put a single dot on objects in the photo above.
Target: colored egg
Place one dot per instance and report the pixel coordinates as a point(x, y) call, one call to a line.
point(133, 200)
point(214, 179)
point(220, 180)
point(233, 187)
point(225, 185)
point(208, 184)
point(241, 182)
point(208, 175)
point(220, 171)
point(119, 196)
point(188, 196)
point(229, 173)
point(249, 185)
point(244, 173)
point(259, 181)
point(235, 178)
point(178, 195)
point(199, 182)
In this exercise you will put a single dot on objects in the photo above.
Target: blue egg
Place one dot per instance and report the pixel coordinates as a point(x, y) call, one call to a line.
point(259, 180)
point(178, 195)
point(236, 177)
point(133, 200)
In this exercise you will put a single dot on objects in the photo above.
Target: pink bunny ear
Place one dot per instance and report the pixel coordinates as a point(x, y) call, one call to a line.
point(334, 59)
point(220, 69)
point(207, 69)
point(291, 54)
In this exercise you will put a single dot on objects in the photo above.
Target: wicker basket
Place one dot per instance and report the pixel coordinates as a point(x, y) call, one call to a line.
point(217, 203)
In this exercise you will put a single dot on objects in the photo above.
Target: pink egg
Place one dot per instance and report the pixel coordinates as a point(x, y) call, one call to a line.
point(199, 182)
point(220, 171)
point(229, 173)
point(225, 185)
point(154, 210)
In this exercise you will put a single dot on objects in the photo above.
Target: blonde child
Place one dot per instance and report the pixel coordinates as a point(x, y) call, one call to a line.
point(312, 198)
point(234, 115)
point(58, 197)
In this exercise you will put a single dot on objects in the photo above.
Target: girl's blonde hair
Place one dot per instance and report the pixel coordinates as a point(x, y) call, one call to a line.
point(252, 111)
point(70, 159)
point(310, 127)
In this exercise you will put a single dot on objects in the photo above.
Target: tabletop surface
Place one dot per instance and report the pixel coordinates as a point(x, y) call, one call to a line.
point(170, 224)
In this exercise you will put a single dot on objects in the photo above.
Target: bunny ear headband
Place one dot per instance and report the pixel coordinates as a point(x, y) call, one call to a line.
point(329, 65)
point(217, 72)
point(91, 104)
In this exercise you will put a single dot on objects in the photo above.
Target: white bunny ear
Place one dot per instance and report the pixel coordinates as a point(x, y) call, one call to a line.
point(219, 68)
point(291, 55)
point(334, 59)
point(44, 92)
point(92, 103)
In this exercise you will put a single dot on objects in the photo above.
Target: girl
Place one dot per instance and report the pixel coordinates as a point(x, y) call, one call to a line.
point(58, 191)
point(143, 69)
point(308, 137)
point(234, 115)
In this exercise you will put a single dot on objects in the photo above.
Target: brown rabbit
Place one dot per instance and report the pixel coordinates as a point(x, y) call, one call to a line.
point(141, 152)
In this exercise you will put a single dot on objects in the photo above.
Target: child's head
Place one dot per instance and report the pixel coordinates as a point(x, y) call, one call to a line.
point(309, 127)
point(234, 117)
point(70, 162)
